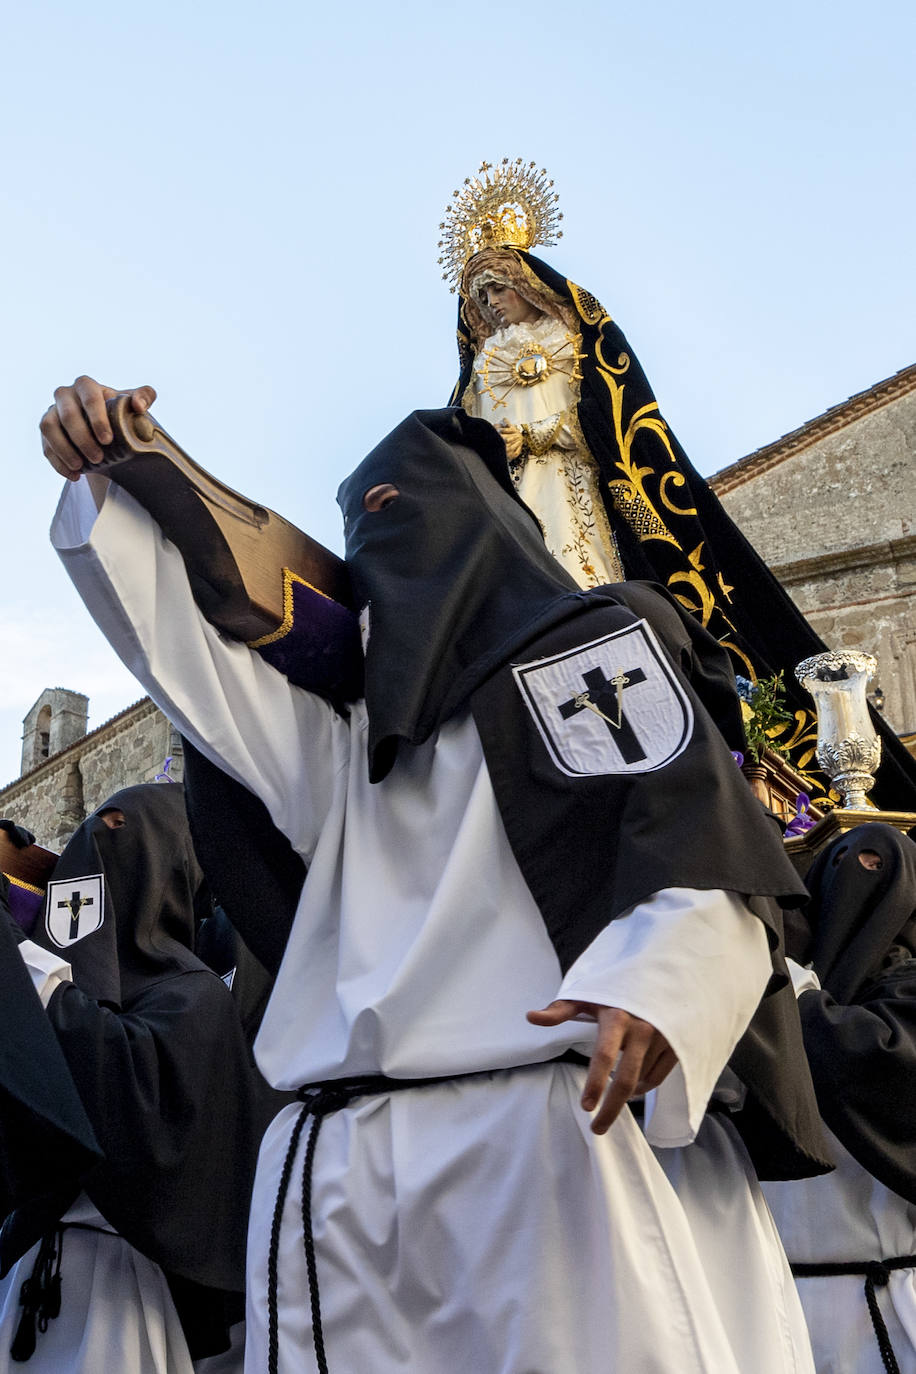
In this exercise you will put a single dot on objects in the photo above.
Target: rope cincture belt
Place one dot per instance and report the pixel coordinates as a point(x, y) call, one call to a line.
point(877, 1274)
point(39, 1296)
point(318, 1101)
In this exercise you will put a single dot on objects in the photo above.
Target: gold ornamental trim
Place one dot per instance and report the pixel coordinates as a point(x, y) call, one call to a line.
point(286, 624)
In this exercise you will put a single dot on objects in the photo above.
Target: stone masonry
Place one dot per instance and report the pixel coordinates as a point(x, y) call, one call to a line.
point(831, 507)
point(53, 797)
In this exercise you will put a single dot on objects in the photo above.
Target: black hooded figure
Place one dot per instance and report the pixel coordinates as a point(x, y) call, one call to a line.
point(535, 793)
point(860, 1036)
point(158, 1062)
point(457, 588)
point(639, 501)
point(860, 1028)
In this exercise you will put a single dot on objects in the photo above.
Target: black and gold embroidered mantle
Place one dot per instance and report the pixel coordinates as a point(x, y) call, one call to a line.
point(669, 526)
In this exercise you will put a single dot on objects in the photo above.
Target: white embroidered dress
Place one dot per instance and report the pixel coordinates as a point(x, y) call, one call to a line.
point(525, 374)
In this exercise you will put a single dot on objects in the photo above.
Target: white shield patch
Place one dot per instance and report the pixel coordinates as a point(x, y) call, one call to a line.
point(611, 706)
point(75, 908)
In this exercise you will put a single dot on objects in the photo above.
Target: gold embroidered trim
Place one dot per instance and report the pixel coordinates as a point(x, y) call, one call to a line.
point(638, 513)
point(539, 436)
point(286, 624)
point(674, 479)
point(27, 887)
point(545, 293)
point(588, 306)
point(589, 519)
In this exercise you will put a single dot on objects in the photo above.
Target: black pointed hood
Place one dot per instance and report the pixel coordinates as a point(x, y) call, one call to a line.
point(453, 575)
point(143, 898)
point(862, 917)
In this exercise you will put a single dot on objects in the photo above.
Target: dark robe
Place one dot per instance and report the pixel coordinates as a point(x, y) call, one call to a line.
point(42, 1119)
point(159, 1061)
point(860, 1028)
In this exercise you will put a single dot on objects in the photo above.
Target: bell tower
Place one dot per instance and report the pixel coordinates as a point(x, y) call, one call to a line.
point(58, 719)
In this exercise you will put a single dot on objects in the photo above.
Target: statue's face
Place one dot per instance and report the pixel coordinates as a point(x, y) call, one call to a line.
point(507, 305)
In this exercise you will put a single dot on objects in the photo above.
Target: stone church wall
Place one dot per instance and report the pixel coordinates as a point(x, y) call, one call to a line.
point(834, 516)
point(53, 798)
point(854, 488)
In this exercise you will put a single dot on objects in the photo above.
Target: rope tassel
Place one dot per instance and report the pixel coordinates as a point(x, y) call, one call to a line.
point(39, 1297)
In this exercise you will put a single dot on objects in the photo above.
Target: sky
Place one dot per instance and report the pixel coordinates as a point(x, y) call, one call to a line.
point(239, 204)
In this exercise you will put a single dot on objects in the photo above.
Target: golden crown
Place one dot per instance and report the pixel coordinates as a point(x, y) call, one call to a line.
point(510, 205)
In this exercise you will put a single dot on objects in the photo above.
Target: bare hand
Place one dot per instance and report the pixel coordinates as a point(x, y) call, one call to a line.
point(512, 438)
point(75, 429)
point(646, 1058)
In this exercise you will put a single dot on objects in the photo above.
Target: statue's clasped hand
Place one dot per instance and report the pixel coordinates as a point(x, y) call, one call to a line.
point(512, 437)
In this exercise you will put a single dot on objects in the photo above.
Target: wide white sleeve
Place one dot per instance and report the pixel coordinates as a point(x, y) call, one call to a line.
point(46, 970)
point(285, 744)
point(694, 964)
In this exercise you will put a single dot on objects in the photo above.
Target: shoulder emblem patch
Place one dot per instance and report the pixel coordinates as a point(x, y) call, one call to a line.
point(75, 908)
point(611, 706)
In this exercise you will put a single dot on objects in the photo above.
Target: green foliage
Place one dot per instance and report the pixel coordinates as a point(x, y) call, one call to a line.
point(765, 716)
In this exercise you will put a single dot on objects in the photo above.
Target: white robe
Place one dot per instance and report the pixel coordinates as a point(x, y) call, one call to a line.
point(842, 1217)
point(476, 1223)
point(116, 1310)
point(742, 1255)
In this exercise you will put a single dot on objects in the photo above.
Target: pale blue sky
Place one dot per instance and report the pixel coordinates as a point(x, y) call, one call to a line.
point(240, 203)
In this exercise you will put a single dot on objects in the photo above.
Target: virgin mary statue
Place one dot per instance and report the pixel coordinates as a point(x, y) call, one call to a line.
point(591, 454)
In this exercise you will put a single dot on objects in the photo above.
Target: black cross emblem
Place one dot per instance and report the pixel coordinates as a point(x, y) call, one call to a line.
point(74, 906)
point(604, 696)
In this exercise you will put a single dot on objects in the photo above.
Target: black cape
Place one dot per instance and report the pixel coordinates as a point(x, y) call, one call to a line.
point(860, 1029)
point(669, 525)
point(251, 867)
point(41, 1115)
point(160, 1064)
point(467, 608)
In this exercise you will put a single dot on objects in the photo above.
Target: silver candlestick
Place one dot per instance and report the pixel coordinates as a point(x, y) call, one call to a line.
point(848, 749)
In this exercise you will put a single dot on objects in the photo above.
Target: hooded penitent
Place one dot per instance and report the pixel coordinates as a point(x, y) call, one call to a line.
point(41, 1115)
point(860, 1029)
point(462, 604)
point(603, 717)
point(863, 908)
point(156, 1053)
point(669, 526)
point(602, 714)
point(135, 923)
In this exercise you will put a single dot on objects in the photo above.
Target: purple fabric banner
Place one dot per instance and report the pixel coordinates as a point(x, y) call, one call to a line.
point(317, 647)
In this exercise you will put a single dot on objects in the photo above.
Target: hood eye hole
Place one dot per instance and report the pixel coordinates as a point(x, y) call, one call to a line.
point(378, 497)
point(113, 817)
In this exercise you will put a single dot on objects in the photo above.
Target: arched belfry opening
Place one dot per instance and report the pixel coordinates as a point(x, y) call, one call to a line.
point(57, 719)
